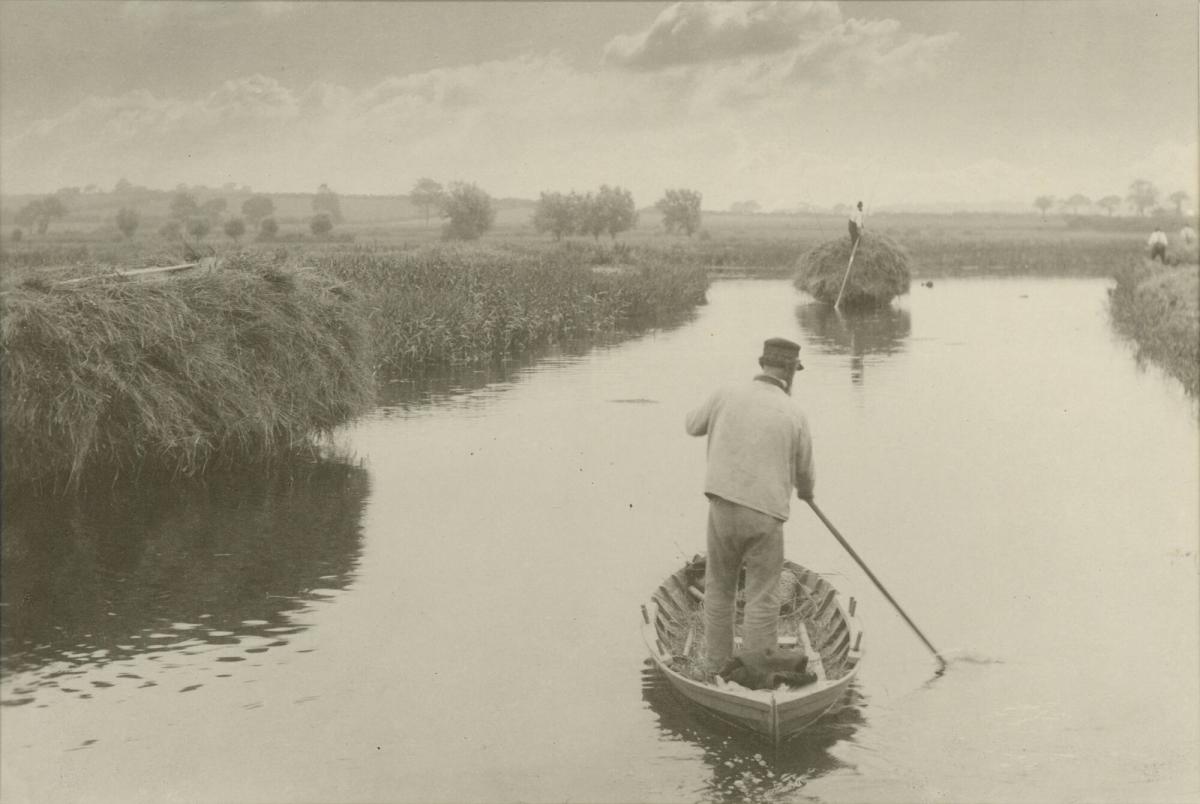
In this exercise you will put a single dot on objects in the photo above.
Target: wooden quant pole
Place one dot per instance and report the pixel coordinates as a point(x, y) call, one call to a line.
point(853, 251)
point(871, 575)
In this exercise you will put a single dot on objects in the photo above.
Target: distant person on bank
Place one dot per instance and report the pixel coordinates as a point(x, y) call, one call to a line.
point(856, 224)
point(759, 450)
point(1158, 245)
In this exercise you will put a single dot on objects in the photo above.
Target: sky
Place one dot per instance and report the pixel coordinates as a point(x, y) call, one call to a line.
point(955, 105)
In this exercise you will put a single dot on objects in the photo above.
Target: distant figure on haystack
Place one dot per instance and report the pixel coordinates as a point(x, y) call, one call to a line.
point(1158, 245)
point(856, 224)
point(1188, 235)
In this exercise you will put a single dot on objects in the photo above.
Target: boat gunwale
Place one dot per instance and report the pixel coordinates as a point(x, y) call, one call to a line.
point(777, 704)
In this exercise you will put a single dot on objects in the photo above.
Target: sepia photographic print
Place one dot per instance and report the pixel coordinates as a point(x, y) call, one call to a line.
point(615, 402)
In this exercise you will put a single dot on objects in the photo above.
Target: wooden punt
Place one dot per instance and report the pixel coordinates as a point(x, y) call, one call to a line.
point(811, 617)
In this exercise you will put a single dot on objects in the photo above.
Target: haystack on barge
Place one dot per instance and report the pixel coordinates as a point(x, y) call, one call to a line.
point(878, 272)
point(812, 619)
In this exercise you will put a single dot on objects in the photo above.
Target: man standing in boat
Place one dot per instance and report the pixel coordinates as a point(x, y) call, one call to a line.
point(759, 449)
point(856, 224)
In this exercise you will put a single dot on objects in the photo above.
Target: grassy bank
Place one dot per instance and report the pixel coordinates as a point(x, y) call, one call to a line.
point(757, 245)
point(108, 378)
point(1159, 308)
point(106, 374)
point(113, 378)
point(444, 303)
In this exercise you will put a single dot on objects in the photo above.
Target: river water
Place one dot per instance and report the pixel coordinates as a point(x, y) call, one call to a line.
point(447, 609)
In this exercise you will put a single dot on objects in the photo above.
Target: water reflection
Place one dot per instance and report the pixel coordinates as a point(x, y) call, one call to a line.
point(402, 395)
point(412, 392)
point(858, 333)
point(743, 767)
point(113, 589)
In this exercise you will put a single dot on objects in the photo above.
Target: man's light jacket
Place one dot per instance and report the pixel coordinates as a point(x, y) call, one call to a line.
point(759, 446)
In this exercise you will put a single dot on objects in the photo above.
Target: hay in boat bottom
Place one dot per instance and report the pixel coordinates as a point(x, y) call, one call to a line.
point(798, 609)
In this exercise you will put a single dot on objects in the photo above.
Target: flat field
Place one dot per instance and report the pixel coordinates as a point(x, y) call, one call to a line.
point(767, 244)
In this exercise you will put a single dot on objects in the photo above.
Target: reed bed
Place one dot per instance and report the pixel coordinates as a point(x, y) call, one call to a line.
point(768, 256)
point(454, 304)
point(175, 376)
point(1158, 307)
point(41, 255)
point(880, 271)
point(1062, 255)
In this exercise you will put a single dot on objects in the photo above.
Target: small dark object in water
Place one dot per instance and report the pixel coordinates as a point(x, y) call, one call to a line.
point(767, 669)
point(928, 283)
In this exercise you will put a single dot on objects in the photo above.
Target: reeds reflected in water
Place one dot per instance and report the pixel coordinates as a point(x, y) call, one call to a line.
point(115, 588)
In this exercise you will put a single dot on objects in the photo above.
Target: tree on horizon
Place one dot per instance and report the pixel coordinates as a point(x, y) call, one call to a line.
point(616, 210)
point(1076, 201)
point(257, 207)
point(327, 201)
point(680, 209)
point(427, 195)
point(470, 212)
point(235, 228)
point(127, 221)
point(1110, 202)
point(1044, 202)
point(1142, 195)
point(321, 224)
point(40, 212)
point(1177, 198)
point(557, 214)
point(183, 205)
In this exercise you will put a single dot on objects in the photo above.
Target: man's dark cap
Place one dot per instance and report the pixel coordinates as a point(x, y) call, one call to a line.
point(782, 353)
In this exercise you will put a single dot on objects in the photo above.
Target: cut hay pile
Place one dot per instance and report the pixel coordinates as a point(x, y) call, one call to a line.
point(879, 274)
point(114, 379)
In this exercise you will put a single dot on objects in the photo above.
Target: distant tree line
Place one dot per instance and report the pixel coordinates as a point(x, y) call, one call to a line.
point(1141, 197)
point(468, 210)
point(258, 213)
point(40, 212)
point(609, 210)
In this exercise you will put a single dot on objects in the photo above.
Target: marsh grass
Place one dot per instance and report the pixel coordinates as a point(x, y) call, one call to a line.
point(455, 304)
point(117, 378)
point(1020, 255)
point(1158, 307)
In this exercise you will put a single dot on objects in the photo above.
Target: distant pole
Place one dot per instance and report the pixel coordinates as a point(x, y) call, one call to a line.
point(853, 251)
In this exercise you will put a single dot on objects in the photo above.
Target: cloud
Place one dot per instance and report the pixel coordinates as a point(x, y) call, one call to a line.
point(695, 33)
point(873, 53)
point(486, 122)
point(139, 115)
point(523, 125)
point(736, 53)
point(202, 12)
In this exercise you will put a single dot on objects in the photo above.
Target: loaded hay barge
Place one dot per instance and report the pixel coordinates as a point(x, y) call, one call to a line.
point(877, 273)
point(812, 618)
